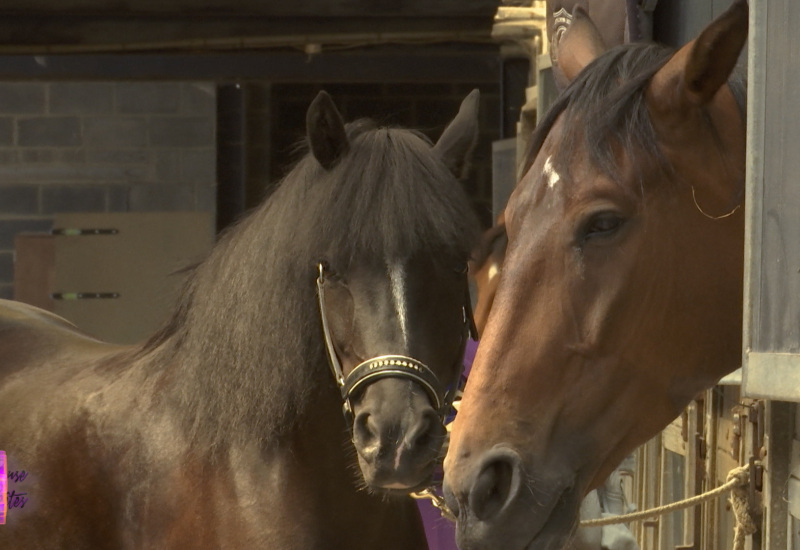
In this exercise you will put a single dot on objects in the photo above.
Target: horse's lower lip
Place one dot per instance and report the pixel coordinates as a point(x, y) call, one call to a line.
point(390, 484)
point(385, 477)
point(396, 486)
point(537, 536)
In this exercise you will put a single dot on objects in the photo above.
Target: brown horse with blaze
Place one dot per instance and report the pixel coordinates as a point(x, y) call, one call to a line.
point(621, 294)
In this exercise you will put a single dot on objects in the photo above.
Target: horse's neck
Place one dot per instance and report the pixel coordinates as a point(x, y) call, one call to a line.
point(299, 493)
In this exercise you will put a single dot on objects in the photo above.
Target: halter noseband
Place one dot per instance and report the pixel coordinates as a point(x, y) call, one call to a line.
point(397, 366)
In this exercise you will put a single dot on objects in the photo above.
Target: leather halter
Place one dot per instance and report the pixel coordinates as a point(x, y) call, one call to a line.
point(397, 366)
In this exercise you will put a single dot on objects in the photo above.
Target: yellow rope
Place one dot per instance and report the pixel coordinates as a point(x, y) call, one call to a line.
point(745, 524)
point(737, 478)
point(737, 482)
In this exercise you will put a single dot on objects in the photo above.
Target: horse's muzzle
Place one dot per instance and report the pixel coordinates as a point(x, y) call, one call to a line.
point(499, 506)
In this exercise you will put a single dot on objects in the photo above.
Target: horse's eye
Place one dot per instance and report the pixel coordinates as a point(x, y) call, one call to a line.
point(603, 224)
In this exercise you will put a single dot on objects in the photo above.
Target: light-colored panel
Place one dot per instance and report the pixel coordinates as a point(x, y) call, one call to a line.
point(138, 263)
point(772, 247)
point(673, 437)
point(772, 376)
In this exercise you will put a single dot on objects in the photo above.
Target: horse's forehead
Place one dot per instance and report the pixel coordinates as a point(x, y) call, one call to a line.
point(547, 179)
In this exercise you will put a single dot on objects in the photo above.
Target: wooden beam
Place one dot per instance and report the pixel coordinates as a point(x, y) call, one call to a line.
point(459, 63)
point(264, 8)
point(34, 35)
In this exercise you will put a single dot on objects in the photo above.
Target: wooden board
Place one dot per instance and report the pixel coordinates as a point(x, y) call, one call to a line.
point(397, 65)
point(34, 269)
point(138, 263)
point(273, 8)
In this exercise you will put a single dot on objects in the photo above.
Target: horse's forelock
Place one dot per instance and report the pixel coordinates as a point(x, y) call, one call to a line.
point(392, 196)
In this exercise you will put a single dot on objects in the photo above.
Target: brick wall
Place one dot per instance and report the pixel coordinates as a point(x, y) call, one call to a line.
point(101, 147)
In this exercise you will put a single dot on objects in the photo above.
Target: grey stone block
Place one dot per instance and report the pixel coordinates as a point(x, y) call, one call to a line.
point(118, 156)
point(49, 131)
point(181, 132)
point(199, 166)
point(167, 166)
point(19, 199)
point(7, 292)
point(6, 267)
point(73, 198)
point(110, 132)
point(148, 97)
point(80, 98)
point(118, 198)
point(38, 156)
point(22, 98)
point(161, 198)
point(199, 98)
point(60, 173)
point(9, 156)
point(6, 131)
point(10, 227)
point(72, 155)
point(206, 196)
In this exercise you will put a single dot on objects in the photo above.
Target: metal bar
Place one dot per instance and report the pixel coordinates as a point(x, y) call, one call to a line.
point(84, 295)
point(77, 232)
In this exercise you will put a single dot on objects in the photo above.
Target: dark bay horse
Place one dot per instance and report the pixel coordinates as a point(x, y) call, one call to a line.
point(621, 293)
point(225, 428)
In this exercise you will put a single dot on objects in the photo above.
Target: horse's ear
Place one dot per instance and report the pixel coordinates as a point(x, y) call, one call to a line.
point(694, 74)
point(580, 45)
point(458, 140)
point(325, 129)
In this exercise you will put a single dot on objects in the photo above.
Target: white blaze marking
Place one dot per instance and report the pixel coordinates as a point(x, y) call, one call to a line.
point(552, 176)
point(397, 277)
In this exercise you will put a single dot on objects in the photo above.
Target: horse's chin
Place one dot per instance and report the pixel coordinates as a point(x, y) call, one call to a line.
point(397, 488)
point(559, 528)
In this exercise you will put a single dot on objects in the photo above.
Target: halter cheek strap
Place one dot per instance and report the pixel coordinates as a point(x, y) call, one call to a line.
point(333, 359)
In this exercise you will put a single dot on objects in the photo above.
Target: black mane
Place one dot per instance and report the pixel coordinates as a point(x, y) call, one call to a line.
point(245, 338)
point(605, 107)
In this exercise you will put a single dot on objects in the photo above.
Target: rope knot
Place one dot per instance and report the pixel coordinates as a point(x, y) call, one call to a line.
point(739, 478)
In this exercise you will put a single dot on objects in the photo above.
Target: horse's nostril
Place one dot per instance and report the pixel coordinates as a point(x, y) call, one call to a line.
point(364, 432)
point(495, 486)
point(424, 431)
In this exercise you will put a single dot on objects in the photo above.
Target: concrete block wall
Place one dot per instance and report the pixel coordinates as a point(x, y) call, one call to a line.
point(102, 147)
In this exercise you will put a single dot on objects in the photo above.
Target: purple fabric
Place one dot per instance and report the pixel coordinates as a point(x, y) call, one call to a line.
point(441, 533)
point(469, 355)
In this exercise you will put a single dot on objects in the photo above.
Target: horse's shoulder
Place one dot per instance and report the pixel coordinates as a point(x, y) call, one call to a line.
point(30, 335)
